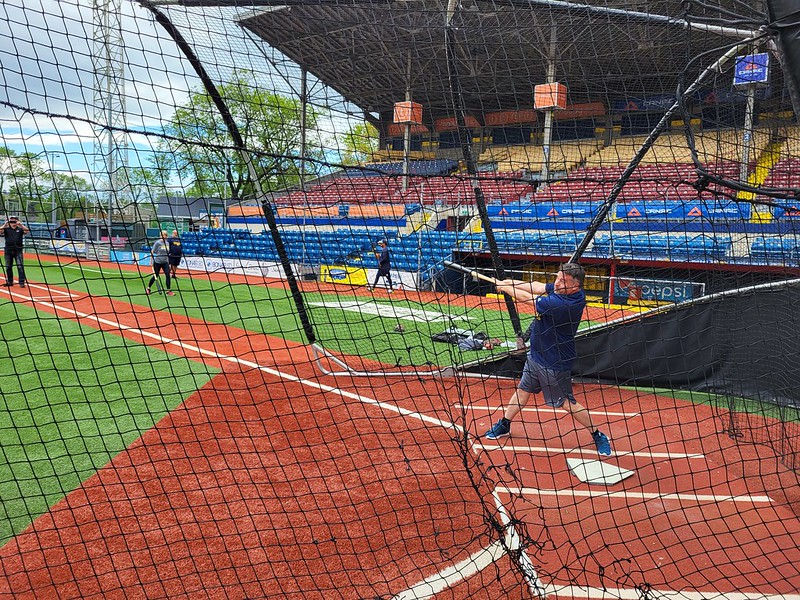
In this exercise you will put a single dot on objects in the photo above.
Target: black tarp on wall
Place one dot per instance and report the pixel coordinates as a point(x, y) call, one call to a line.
point(740, 344)
point(785, 19)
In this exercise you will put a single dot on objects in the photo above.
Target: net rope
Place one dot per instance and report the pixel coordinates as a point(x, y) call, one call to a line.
point(280, 419)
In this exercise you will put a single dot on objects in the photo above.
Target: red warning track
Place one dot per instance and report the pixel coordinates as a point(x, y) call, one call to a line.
point(272, 481)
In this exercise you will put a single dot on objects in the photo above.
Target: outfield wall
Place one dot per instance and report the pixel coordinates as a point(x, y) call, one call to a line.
point(271, 270)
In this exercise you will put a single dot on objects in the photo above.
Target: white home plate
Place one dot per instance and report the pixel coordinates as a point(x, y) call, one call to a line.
point(597, 472)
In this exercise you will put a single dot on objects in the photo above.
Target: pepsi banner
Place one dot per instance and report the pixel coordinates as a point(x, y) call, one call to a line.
point(633, 290)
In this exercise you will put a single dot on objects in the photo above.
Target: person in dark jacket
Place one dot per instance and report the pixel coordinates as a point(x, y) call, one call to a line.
point(14, 231)
point(384, 265)
point(160, 257)
point(175, 253)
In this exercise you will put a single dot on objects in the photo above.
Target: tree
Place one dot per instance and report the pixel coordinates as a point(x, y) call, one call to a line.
point(202, 149)
point(26, 186)
point(145, 186)
point(7, 158)
point(38, 193)
point(360, 143)
point(68, 196)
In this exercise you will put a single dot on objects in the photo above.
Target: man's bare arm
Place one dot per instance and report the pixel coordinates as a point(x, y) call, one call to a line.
point(521, 291)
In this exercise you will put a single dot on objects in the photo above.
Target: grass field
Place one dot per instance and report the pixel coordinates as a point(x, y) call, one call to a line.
point(271, 311)
point(80, 389)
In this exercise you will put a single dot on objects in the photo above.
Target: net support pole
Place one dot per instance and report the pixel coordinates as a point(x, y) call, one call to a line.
point(236, 136)
point(608, 204)
point(469, 160)
point(303, 126)
point(747, 134)
point(548, 115)
point(407, 131)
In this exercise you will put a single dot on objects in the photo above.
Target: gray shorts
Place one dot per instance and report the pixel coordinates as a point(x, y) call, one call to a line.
point(556, 386)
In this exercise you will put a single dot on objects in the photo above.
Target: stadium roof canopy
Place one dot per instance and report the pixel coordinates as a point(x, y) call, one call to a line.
point(603, 50)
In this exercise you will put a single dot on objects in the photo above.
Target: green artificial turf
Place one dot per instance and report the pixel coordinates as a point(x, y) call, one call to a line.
point(768, 410)
point(271, 310)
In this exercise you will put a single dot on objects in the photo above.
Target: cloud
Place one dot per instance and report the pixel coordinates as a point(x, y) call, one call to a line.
point(48, 89)
point(49, 103)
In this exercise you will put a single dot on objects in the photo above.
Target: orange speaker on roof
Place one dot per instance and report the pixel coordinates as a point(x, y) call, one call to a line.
point(550, 96)
point(408, 112)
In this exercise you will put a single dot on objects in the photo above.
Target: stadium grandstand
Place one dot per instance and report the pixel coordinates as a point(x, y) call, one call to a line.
point(258, 332)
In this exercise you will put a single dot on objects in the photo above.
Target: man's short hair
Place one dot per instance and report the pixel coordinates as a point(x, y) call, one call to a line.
point(575, 271)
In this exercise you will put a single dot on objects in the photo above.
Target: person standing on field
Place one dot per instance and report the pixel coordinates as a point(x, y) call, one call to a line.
point(175, 253)
point(548, 368)
point(384, 265)
point(14, 231)
point(160, 257)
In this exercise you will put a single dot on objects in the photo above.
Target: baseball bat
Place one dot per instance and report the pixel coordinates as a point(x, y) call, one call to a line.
point(474, 274)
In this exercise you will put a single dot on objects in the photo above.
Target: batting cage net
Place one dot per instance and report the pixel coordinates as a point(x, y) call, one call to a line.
point(292, 310)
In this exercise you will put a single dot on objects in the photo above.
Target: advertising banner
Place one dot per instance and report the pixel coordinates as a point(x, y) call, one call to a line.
point(68, 247)
point(752, 68)
point(215, 264)
point(711, 210)
point(733, 95)
point(451, 124)
point(786, 212)
point(582, 110)
point(398, 130)
point(510, 117)
point(572, 211)
point(127, 257)
point(630, 290)
point(648, 103)
point(342, 274)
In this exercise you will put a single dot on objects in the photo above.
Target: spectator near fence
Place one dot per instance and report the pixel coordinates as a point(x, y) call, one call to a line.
point(14, 231)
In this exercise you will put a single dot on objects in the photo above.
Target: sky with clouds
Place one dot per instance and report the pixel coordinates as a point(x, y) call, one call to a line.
point(47, 75)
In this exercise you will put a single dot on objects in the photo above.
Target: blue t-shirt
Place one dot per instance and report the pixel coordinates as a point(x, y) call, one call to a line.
point(383, 258)
point(556, 322)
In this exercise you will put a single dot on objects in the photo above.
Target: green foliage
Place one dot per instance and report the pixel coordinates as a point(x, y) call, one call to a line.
point(270, 125)
point(360, 143)
point(39, 193)
point(69, 194)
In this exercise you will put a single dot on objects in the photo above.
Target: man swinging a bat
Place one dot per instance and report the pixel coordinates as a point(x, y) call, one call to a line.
point(559, 309)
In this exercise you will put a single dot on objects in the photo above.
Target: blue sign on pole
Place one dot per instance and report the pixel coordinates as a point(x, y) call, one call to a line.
point(752, 68)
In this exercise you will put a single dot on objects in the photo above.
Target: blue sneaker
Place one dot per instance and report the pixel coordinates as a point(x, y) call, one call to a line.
point(601, 441)
point(501, 429)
